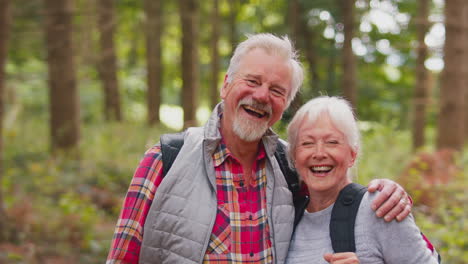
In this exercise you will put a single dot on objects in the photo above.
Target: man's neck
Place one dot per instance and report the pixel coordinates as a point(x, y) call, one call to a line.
point(244, 151)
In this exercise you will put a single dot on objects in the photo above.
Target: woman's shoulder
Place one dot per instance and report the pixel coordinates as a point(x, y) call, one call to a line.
point(367, 199)
point(366, 213)
point(370, 218)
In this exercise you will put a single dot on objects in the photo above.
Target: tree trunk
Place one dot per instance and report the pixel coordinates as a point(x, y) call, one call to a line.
point(85, 34)
point(215, 54)
point(450, 125)
point(64, 105)
point(466, 70)
point(349, 62)
point(108, 61)
point(153, 10)
point(189, 21)
point(295, 23)
point(332, 64)
point(422, 88)
point(308, 36)
point(310, 55)
point(5, 17)
point(233, 37)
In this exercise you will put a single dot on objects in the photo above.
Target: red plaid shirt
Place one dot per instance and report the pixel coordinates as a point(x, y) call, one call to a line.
point(240, 233)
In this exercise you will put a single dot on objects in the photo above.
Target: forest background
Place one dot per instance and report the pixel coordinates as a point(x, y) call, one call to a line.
point(86, 86)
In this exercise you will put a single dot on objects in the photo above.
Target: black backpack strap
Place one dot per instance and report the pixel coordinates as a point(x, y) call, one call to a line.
point(289, 174)
point(343, 217)
point(292, 178)
point(170, 147)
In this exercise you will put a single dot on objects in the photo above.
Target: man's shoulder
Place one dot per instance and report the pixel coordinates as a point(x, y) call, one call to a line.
point(154, 152)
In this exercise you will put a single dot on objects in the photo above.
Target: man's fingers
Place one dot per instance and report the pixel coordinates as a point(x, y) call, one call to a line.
point(374, 185)
point(386, 192)
point(394, 199)
point(406, 211)
point(396, 210)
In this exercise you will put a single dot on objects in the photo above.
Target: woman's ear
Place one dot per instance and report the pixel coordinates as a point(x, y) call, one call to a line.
point(353, 158)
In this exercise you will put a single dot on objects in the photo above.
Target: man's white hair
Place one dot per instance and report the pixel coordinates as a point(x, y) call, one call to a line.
point(273, 45)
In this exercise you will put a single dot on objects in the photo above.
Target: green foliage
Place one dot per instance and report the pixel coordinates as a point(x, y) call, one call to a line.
point(445, 225)
point(69, 207)
point(54, 203)
point(384, 152)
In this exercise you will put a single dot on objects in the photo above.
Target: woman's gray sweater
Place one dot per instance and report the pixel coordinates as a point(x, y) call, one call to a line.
point(376, 241)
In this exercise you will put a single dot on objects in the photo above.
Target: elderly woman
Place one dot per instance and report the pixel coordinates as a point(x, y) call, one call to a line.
point(324, 146)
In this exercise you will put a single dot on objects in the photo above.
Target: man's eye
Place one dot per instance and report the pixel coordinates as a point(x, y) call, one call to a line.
point(251, 82)
point(278, 92)
point(307, 143)
point(333, 142)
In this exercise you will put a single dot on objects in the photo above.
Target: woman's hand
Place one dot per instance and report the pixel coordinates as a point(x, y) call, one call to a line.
point(342, 258)
point(392, 201)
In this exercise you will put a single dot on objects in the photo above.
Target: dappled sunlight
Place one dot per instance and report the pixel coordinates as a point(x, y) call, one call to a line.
point(172, 116)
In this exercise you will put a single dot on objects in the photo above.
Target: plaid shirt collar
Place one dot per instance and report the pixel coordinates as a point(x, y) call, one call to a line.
point(222, 153)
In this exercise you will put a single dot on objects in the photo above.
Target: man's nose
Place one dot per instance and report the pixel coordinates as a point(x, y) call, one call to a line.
point(261, 93)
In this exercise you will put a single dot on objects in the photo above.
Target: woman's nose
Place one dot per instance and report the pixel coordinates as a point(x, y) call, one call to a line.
point(319, 151)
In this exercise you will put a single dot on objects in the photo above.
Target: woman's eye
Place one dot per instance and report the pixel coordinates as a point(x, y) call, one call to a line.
point(333, 142)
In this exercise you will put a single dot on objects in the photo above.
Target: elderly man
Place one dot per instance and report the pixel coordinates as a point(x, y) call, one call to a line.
point(225, 199)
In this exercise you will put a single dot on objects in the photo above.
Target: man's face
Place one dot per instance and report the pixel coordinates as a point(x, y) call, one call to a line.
point(257, 95)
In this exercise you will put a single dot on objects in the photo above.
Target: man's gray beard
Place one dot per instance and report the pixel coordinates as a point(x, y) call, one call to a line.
point(249, 130)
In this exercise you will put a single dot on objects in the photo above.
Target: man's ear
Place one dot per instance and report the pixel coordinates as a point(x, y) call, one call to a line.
point(224, 88)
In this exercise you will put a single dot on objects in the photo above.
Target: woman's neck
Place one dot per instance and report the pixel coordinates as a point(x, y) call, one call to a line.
point(320, 200)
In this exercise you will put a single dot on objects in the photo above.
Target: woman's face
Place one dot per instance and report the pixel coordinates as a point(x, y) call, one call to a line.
point(323, 155)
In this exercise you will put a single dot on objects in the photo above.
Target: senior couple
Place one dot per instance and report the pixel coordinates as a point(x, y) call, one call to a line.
point(225, 199)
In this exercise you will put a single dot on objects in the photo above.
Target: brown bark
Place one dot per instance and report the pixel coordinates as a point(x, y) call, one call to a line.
point(215, 55)
point(450, 125)
point(64, 106)
point(308, 46)
point(466, 71)
point(349, 61)
point(233, 36)
point(310, 54)
point(295, 23)
point(5, 21)
point(294, 20)
point(85, 32)
point(421, 90)
point(190, 76)
point(108, 61)
point(153, 10)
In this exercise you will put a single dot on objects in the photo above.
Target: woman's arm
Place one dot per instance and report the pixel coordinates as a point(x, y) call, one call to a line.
point(398, 242)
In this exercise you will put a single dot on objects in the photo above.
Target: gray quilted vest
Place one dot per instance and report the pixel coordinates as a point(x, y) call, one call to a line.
point(182, 215)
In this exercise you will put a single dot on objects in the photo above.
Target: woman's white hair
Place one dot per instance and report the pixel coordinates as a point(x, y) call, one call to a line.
point(273, 45)
point(341, 115)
